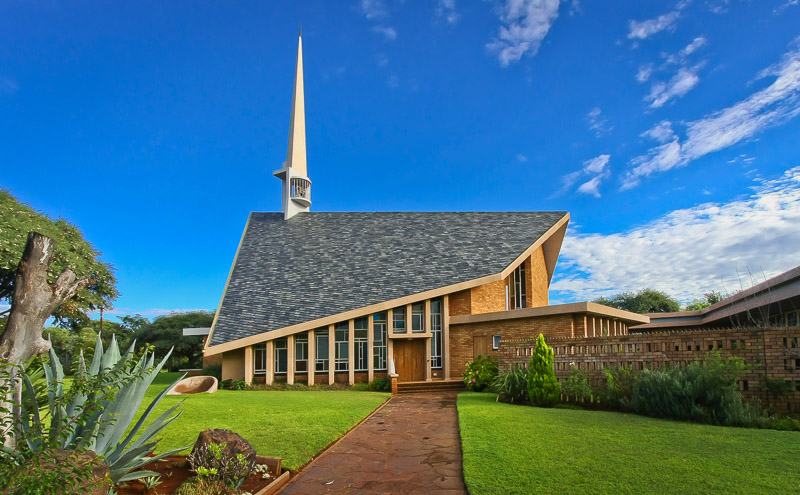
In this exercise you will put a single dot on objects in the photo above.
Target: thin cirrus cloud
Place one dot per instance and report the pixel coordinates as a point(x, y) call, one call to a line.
point(598, 122)
point(640, 30)
point(446, 9)
point(690, 251)
point(387, 32)
point(526, 23)
point(680, 84)
point(595, 168)
point(771, 106)
point(373, 9)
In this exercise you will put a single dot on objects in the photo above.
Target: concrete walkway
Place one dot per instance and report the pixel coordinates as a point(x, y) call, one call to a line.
point(411, 445)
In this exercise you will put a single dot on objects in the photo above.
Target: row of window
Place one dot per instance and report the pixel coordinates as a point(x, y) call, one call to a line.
point(362, 355)
point(735, 344)
point(789, 319)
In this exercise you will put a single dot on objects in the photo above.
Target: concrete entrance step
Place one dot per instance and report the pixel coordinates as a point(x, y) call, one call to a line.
point(432, 386)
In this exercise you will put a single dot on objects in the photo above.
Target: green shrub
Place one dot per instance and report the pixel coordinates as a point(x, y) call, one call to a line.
point(239, 385)
point(214, 370)
point(617, 392)
point(703, 392)
point(480, 373)
point(543, 389)
point(214, 462)
point(381, 384)
point(226, 384)
point(576, 386)
point(512, 386)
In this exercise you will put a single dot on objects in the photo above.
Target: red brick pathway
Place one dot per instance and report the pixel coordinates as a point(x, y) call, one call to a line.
point(411, 445)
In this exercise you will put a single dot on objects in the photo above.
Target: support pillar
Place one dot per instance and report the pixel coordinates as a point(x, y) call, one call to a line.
point(351, 351)
point(331, 355)
point(290, 360)
point(312, 357)
point(371, 348)
point(248, 365)
point(269, 363)
point(446, 336)
point(426, 327)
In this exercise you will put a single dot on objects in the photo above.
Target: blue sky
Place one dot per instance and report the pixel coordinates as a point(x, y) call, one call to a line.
point(669, 130)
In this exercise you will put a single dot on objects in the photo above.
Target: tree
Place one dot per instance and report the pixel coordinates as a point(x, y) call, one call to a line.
point(166, 332)
point(70, 252)
point(543, 389)
point(698, 304)
point(645, 301)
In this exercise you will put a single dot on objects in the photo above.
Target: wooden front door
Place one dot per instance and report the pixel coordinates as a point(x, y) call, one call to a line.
point(480, 346)
point(409, 360)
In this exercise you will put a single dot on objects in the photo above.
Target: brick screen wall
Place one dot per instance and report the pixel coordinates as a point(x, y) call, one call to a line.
point(772, 353)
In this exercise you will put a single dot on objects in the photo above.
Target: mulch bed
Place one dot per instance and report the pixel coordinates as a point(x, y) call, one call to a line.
point(175, 470)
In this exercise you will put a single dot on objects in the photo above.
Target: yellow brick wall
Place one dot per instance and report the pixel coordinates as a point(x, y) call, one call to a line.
point(488, 298)
point(537, 283)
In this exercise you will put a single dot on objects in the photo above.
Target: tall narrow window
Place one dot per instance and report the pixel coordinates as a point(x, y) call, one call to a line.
point(301, 353)
point(280, 356)
point(361, 335)
point(321, 355)
point(436, 334)
point(399, 320)
point(342, 354)
point(516, 288)
point(418, 318)
point(379, 341)
point(260, 359)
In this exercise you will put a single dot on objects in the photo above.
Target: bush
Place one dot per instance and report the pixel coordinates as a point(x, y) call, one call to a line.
point(381, 384)
point(512, 386)
point(239, 385)
point(214, 370)
point(480, 373)
point(704, 392)
point(215, 463)
point(617, 392)
point(576, 386)
point(543, 389)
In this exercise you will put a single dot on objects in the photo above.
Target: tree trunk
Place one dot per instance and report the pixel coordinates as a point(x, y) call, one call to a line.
point(33, 302)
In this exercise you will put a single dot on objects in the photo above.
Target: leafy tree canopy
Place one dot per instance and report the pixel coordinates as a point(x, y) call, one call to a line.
point(166, 332)
point(645, 301)
point(709, 298)
point(71, 251)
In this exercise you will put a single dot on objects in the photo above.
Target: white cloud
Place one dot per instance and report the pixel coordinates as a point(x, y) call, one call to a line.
point(689, 251)
point(8, 86)
point(446, 9)
point(597, 122)
point(387, 32)
point(373, 9)
point(680, 84)
point(771, 106)
point(695, 45)
point(521, 158)
point(596, 169)
point(644, 72)
point(393, 82)
point(661, 132)
point(644, 29)
point(527, 22)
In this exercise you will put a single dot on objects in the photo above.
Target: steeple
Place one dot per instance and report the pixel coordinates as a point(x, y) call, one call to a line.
point(296, 185)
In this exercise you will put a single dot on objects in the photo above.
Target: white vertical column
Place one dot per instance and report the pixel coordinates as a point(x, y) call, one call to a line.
point(290, 360)
point(389, 341)
point(331, 355)
point(269, 363)
point(426, 328)
point(371, 347)
point(248, 365)
point(312, 356)
point(351, 351)
point(446, 336)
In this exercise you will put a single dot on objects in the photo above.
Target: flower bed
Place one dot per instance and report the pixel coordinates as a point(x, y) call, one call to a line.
point(175, 470)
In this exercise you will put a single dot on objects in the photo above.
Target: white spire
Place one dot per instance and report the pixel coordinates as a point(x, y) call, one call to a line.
point(296, 154)
point(296, 184)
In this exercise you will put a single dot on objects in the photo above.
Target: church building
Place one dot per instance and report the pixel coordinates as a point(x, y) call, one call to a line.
point(334, 297)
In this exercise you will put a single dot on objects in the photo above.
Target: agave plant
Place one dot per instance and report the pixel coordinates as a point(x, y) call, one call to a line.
point(98, 416)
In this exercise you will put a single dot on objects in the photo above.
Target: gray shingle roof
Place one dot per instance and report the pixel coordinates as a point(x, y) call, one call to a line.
point(319, 264)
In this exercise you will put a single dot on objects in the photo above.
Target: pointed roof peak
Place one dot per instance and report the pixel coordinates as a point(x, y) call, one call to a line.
point(296, 153)
point(301, 30)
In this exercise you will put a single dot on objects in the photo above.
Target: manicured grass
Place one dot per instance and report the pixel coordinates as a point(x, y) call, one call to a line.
point(291, 425)
point(522, 449)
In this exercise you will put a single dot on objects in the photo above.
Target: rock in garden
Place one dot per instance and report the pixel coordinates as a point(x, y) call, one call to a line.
point(234, 443)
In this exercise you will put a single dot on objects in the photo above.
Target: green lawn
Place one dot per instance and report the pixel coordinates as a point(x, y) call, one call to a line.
point(521, 449)
point(291, 425)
